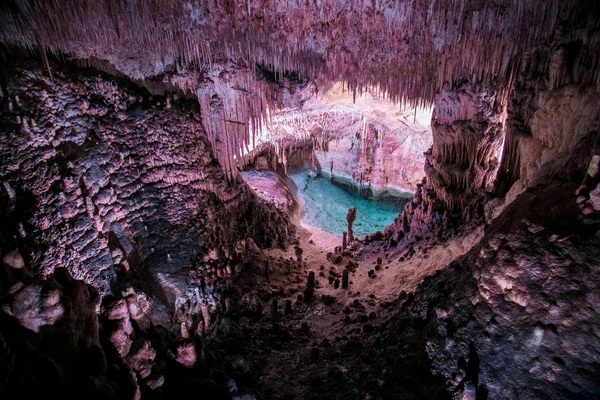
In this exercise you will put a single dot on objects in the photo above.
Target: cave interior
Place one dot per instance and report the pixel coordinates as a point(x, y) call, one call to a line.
point(328, 199)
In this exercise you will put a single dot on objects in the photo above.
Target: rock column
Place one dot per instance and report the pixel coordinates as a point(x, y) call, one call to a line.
point(350, 217)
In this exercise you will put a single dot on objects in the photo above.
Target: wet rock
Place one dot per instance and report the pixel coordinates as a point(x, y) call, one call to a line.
point(117, 310)
point(350, 218)
point(71, 339)
point(120, 339)
point(94, 177)
point(141, 358)
point(155, 382)
point(35, 307)
point(594, 200)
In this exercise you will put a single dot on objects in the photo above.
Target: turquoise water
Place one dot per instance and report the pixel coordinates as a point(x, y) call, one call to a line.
point(326, 205)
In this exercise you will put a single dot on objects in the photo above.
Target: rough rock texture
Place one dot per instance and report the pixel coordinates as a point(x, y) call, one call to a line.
point(410, 48)
point(517, 316)
point(50, 339)
point(541, 128)
point(553, 113)
point(364, 141)
point(128, 191)
point(272, 188)
point(102, 179)
point(381, 161)
point(237, 102)
point(468, 132)
point(120, 353)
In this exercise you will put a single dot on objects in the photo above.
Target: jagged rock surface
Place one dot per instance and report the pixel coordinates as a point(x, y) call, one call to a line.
point(516, 317)
point(101, 178)
point(364, 142)
point(409, 49)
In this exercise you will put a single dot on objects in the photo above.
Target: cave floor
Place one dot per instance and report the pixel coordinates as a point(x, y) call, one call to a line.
point(330, 346)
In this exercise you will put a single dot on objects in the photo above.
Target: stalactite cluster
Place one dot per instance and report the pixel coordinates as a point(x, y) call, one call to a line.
point(407, 49)
point(468, 132)
point(135, 262)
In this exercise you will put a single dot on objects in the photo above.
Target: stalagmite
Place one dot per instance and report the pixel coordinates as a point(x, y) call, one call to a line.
point(345, 279)
point(310, 286)
point(350, 217)
point(274, 310)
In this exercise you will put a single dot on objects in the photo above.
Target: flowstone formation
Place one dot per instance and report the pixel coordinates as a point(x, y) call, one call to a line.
point(106, 176)
point(109, 190)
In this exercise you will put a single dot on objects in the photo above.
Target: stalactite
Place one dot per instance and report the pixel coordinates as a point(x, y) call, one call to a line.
point(480, 40)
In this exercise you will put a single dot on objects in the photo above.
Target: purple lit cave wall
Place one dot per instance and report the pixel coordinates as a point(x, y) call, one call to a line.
point(157, 159)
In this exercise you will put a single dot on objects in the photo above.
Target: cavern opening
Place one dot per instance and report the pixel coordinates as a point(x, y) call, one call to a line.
point(337, 150)
point(300, 200)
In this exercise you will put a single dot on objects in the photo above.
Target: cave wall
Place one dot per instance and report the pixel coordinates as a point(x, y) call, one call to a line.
point(84, 186)
point(377, 158)
point(517, 317)
point(492, 142)
point(468, 133)
point(364, 141)
point(552, 121)
point(102, 178)
point(467, 125)
point(238, 103)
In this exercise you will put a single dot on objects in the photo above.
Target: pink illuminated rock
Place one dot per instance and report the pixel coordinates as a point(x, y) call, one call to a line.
point(14, 259)
point(186, 354)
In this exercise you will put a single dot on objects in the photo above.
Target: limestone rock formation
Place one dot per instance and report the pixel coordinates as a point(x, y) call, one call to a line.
point(100, 174)
point(511, 318)
point(135, 260)
point(364, 142)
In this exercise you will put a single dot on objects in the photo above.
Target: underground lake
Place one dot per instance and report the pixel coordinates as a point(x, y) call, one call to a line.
point(325, 205)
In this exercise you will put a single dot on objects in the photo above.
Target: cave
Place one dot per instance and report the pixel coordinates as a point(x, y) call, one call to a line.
point(300, 199)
